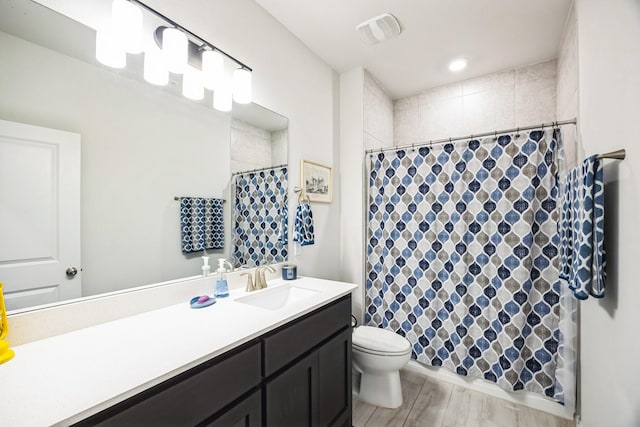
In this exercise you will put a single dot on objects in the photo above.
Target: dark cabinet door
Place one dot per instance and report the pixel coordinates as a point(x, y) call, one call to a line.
point(191, 397)
point(334, 381)
point(247, 413)
point(291, 397)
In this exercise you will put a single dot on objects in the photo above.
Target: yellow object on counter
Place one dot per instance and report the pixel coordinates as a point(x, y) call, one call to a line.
point(6, 353)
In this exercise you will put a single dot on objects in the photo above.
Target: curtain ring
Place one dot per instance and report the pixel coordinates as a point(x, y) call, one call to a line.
point(495, 135)
point(413, 147)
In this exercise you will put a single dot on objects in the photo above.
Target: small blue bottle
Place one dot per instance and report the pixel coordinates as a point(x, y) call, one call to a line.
point(222, 287)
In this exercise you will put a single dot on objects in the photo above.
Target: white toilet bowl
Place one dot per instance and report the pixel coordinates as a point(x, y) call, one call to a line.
point(378, 356)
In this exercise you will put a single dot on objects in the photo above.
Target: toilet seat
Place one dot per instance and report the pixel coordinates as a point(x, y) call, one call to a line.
point(371, 340)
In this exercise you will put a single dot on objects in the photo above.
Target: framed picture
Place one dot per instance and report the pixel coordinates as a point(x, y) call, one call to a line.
point(316, 181)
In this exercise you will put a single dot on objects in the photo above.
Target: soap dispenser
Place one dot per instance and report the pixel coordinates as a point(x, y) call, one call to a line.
point(222, 287)
point(206, 268)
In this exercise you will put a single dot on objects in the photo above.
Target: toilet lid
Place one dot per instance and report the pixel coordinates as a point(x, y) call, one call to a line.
point(379, 340)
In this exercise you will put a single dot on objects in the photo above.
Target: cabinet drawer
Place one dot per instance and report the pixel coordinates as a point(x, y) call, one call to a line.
point(247, 413)
point(191, 397)
point(294, 339)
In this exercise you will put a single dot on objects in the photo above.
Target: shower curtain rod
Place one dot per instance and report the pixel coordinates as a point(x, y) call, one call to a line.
point(259, 169)
point(473, 135)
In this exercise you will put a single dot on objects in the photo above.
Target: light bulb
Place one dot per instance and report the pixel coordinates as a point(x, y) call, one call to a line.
point(155, 70)
point(126, 20)
point(108, 50)
point(192, 86)
point(222, 97)
point(212, 68)
point(458, 64)
point(175, 49)
point(242, 86)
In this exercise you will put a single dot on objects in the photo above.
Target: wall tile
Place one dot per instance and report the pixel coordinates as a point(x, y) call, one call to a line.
point(488, 111)
point(279, 147)
point(440, 119)
point(492, 82)
point(378, 111)
point(250, 145)
point(453, 90)
point(408, 103)
point(496, 101)
point(372, 143)
point(536, 93)
point(406, 126)
point(567, 89)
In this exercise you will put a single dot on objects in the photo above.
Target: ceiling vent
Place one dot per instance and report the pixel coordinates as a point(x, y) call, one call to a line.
point(379, 29)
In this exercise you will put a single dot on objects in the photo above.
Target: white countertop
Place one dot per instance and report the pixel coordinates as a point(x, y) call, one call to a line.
point(66, 378)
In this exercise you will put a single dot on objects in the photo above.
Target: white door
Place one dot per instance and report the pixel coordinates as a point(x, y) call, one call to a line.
point(39, 214)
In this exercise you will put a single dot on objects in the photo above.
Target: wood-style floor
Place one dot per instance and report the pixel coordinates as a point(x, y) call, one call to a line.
point(430, 403)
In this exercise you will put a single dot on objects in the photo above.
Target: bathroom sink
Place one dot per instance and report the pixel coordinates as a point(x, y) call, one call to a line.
point(277, 298)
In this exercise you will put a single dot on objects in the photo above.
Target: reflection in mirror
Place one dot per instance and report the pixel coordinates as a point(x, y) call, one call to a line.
point(259, 187)
point(140, 147)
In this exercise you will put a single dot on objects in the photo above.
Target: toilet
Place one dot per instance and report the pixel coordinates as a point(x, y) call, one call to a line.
point(378, 356)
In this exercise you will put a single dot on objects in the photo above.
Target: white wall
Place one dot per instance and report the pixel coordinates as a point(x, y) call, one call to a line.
point(288, 79)
point(132, 164)
point(351, 195)
point(520, 97)
point(609, 87)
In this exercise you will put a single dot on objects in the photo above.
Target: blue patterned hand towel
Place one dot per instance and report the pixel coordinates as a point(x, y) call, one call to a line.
point(303, 233)
point(201, 222)
point(582, 260)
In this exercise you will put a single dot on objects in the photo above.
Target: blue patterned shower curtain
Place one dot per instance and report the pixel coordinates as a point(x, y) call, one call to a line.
point(260, 217)
point(462, 256)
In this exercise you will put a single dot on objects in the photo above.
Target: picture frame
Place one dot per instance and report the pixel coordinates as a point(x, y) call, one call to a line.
point(316, 181)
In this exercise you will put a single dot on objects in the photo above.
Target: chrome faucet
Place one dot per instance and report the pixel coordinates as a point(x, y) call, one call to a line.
point(261, 281)
point(250, 286)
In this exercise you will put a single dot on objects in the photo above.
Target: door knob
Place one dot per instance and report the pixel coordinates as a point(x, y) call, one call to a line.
point(71, 272)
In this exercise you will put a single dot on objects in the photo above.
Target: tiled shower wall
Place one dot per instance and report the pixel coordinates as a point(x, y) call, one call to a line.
point(377, 115)
point(567, 88)
point(520, 97)
point(254, 148)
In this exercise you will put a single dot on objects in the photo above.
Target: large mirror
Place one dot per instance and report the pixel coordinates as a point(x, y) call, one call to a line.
point(142, 148)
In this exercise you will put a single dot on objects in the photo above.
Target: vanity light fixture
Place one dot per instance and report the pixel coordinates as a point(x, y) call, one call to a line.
point(179, 51)
point(108, 51)
point(175, 49)
point(192, 85)
point(458, 64)
point(126, 21)
point(212, 68)
point(242, 86)
point(155, 70)
point(223, 96)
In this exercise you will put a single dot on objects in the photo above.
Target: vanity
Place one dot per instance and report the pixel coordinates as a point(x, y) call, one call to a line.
point(276, 359)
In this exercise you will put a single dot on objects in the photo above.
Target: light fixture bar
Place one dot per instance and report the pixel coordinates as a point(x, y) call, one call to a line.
point(195, 36)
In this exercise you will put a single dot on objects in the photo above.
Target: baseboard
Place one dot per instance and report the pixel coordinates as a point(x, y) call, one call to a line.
point(531, 400)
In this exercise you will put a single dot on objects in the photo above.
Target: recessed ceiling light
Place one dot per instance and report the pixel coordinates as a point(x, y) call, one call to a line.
point(458, 64)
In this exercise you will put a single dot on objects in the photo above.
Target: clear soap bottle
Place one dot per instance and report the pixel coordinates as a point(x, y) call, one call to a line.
point(222, 287)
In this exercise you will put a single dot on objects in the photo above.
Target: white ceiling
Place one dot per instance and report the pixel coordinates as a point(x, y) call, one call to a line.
point(494, 35)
